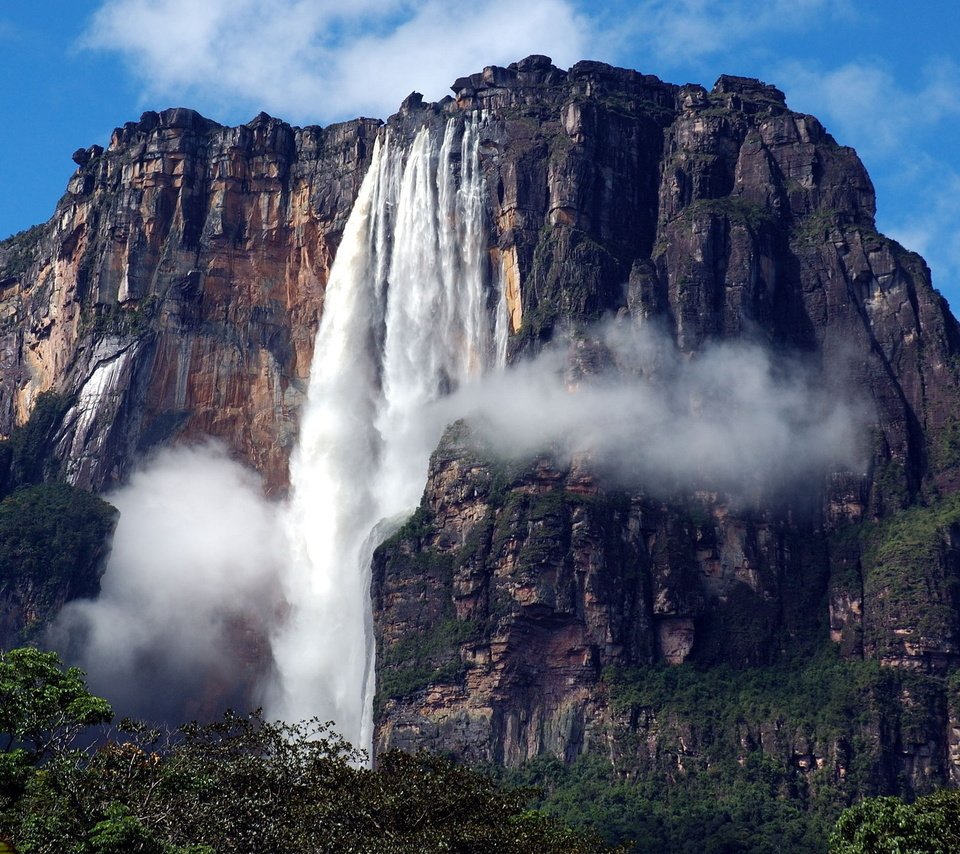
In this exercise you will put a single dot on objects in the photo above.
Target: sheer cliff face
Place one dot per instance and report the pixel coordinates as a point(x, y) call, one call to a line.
point(716, 215)
point(176, 291)
point(177, 288)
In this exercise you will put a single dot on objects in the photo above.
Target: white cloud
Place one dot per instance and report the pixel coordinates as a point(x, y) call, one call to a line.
point(891, 124)
point(319, 60)
point(929, 221)
point(866, 107)
point(681, 32)
point(734, 418)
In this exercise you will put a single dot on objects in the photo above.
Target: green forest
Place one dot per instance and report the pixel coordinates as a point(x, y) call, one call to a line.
point(72, 780)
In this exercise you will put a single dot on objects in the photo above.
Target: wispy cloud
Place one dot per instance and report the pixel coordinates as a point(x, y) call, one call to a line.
point(929, 222)
point(319, 60)
point(867, 107)
point(893, 123)
point(734, 418)
point(683, 32)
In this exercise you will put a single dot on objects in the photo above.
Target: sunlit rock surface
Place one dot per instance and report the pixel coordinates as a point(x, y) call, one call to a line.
point(197, 255)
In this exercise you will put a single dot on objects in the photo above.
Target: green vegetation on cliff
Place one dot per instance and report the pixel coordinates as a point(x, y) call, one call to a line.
point(54, 537)
point(910, 570)
point(930, 825)
point(756, 760)
point(574, 279)
point(26, 456)
point(18, 251)
point(53, 545)
point(423, 659)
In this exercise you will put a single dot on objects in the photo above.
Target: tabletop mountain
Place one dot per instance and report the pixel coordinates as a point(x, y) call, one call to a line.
point(533, 607)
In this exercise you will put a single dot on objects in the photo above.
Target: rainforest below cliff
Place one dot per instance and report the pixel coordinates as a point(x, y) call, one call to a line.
point(679, 545)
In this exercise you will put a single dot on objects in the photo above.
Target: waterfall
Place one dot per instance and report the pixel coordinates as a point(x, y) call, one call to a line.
point(408, 316)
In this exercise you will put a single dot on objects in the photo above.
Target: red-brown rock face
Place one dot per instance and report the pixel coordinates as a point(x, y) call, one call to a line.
point(715, 215)
point(176, 291)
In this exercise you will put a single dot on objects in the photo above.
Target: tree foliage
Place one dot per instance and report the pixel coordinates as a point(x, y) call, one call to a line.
point(240, 784)
point(930, 825)
point(44, 706)
point(53, 544)
point(54, 537)
point(26, 456)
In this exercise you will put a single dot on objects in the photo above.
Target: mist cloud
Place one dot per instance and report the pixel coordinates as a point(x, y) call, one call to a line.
point(732, 417)
point(200, 569)
point(190, 589)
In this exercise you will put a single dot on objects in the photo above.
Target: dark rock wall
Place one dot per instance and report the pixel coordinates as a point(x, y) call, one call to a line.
point(716, 215)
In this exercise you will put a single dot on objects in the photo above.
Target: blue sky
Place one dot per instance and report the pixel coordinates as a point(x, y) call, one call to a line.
point(883, 77)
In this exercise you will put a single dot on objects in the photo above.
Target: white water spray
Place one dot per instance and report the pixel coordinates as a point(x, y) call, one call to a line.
point(408, 316)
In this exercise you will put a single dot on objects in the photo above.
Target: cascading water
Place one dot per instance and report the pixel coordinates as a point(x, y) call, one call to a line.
point(407, 317)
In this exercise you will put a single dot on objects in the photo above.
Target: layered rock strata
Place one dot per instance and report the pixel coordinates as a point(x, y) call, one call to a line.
point(176, 291)
point(715, 215)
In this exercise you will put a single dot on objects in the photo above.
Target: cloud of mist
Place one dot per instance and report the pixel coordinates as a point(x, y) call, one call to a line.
point(189, 591)
point(732, 417)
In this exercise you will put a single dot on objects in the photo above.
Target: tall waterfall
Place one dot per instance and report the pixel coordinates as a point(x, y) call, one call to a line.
point(408, 315)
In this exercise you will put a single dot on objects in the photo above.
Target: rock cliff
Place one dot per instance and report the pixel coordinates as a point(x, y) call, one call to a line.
point(176, 290)
point(718, 215)
point(175, 294)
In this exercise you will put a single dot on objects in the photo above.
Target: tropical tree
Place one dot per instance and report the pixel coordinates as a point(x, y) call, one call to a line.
point(43, 705)
point(930, 825)
point(240, 784)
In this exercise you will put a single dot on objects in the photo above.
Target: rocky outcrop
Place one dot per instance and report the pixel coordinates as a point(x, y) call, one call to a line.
point(502, 603)
point(527, 610)
point(177, 288)
point(715, 215)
